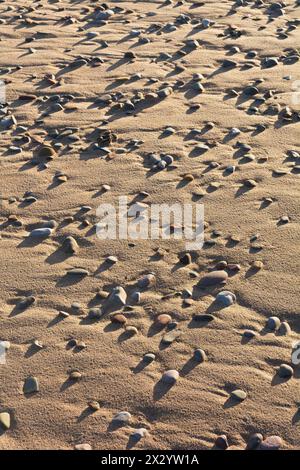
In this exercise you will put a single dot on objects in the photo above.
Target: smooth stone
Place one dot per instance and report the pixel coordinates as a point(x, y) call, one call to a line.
point(31, 385)
point(207, 317)
point(132, 330)
point(284, 328)
point(249, 334)
point(83, 447)
point(46, 152)
point(75, 375)
point(95, 313)
point(273, 323)
point(149, 357)
point(163, 319)
point(285, 371)
point(254, 441)
point(41, 232)
point(200, 355)
point(78, 272)
point(213, 278)
point(123, 417)
point(70, 245)
point(170, 377)
point(119, 318)
point(271, 443)
point(221, 442)
point(226, 298)
point(5, 420)
point(239, 395)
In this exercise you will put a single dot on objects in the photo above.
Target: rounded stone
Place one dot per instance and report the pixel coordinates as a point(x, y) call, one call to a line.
point(31, 385)
point(149, 357)
point(83, 447)
point(170, 377)
point(118, 318)
point(271, 443)
point(221, 442)
point(226, 298)
point(254, 441)
point(239, 395)
point(213, 278)
point(199, 355)
point(163, 319)
point(285, 371)
point(273, 323)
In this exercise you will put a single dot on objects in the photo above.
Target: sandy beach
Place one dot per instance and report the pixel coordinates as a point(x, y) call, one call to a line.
point(140, 343)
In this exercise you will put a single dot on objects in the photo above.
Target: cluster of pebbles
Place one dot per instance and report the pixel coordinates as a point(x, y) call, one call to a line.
point(161, 101)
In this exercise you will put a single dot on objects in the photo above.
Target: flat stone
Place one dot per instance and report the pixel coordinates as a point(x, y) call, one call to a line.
point(170, 337)
point(41, 232)
point(213, 278)
point(83, 447)
point(78, 272)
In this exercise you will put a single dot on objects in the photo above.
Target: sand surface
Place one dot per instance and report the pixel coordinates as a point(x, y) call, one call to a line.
point(241, 227)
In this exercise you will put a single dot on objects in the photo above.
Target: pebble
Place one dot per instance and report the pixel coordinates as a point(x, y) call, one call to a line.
point(78, 272)
point(285, 371)
point(226, 298)
point(31, 385)
point(139, 434)
point(94, 405)
point(163, 319)
point(75, 375)
point(271, 443)
point(207, 317)
point(239, 395)
point(285, 328)
point(41, 232)
point(124, 417)
point(213, 278)
point(146, 281)
point(273, 323)
point(221, 442)
point(70, 245)
point(83, 447)
point(118, 318)
point(117, 298)
point(200, 355)
point(254, 441)
point(149, 357)
point(5, 420)
point(170, 377)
